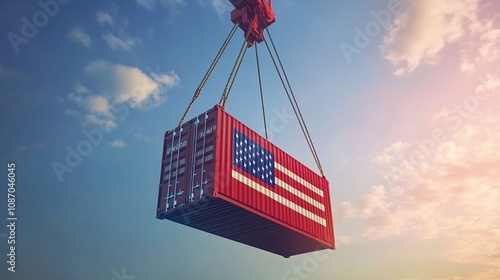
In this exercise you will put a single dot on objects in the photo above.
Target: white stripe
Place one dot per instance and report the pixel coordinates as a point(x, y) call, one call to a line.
point(276, 197)
point(300, 194)
point(298, 179)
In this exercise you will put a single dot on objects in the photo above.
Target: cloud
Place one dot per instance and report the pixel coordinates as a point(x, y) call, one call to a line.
point(169, 79)
point(420, 34)
point(141, 137)
point(117, 43)
point(485, 49)
point(442, 189)
point(94, 104)
point(106, 123)
point(147, 4)
point(173, 3)
point(151, 4)
point(72, 112)
point(124, 84)
point(78, 35)
point(493, 274)
point(79, 88)
point(118, 143)
point(99, 105)
point(115, 89)
point(104, 18)
point(221, 7)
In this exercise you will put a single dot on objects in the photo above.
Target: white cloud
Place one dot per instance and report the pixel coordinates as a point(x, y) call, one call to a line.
point(151, 4)
point(173, 3)
point(141, 137)
point(115, 89)
point(104, 18)
point(118, 143)
point(72, 112)
point(75, 98)
point(169, 79)
point(79, 88)
point(78, 35)
point(117, 43)
point(446, 189)
point(222, 8)
point(99, 105)
point(94, 120)
point(421, 33)
point(124, 84)
point(492, 274)
point(148, 4)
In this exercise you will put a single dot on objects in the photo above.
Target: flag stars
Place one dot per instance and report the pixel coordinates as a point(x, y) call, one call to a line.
point(253, 159)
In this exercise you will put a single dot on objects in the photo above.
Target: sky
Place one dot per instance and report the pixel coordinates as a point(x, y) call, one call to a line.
point(402, 100)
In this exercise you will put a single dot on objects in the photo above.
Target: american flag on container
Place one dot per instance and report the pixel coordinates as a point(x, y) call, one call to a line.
point(258, 169)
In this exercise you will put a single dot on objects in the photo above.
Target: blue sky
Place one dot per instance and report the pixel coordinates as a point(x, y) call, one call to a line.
point(402, 102)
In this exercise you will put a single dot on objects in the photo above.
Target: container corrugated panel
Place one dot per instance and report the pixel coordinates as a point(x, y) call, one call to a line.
point(221, 177)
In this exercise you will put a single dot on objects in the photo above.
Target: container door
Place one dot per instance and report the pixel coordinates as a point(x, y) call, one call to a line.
point(202, 156)
point(175, 179)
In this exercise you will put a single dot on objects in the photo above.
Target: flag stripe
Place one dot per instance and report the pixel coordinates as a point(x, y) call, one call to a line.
point(276, 197)
point(298, 179)
point(300, 194)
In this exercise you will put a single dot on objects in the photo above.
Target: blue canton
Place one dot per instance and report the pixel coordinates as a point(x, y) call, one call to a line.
point(253, 159)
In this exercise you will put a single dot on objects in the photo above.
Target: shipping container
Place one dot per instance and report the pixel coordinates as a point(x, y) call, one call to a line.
point(221, 177)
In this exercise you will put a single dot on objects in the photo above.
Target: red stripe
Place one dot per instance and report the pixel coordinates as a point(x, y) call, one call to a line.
point(268, 206)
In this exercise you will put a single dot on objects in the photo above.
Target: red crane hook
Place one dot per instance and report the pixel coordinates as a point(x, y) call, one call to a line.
point(253, 16)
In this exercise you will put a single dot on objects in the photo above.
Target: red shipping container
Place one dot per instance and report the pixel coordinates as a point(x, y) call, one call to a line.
point(221, 177)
